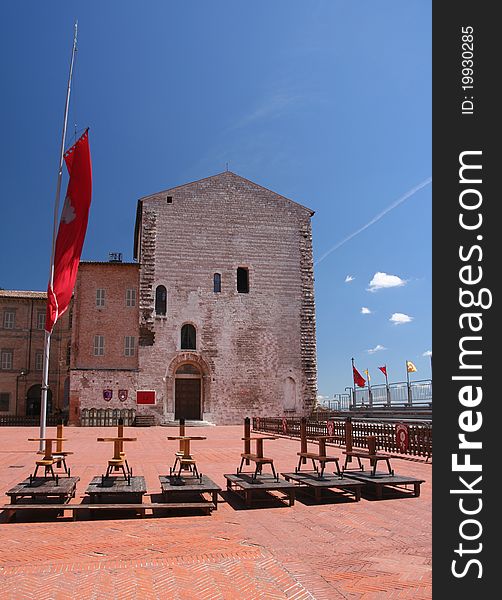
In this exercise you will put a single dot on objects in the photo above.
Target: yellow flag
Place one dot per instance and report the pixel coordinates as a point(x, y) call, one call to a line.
point(368, 375)
point(410, 366)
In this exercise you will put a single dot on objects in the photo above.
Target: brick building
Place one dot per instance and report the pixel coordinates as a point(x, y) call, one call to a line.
point(226, 302)
point(216, 319)
point(22, 322)
point(104, 353)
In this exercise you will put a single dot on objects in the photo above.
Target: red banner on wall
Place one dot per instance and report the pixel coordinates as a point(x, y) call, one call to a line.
point(402, 437)
point(145, 397)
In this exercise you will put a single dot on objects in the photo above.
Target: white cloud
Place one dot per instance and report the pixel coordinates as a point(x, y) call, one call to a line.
point(427, 353)
point(400, 319)
point(377, 348)
point(366, 311)
point(383, 280)
point(349, 278)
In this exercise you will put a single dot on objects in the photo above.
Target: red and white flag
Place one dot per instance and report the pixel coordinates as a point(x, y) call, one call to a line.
point(384, 370)
point(71, 232)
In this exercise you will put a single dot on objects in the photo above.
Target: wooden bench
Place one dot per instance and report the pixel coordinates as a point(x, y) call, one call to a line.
point(371, 454)
point(320, 456)
point(257, 457)
point(373, 458)
point(11, 509)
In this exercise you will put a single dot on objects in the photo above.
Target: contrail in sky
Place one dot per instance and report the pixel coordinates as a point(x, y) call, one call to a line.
point(376, 218)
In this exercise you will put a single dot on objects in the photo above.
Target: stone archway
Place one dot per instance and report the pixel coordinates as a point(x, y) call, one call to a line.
point(188, 387)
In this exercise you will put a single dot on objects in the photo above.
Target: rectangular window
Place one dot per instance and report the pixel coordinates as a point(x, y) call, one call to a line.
point(39, 360)
point(242, 280)
point(40, 319)
point(4, 401)
point(100, 297)
point(129, 345)
point(6, 359)
point(9, 318)
point(99, 345)
point(131, 297)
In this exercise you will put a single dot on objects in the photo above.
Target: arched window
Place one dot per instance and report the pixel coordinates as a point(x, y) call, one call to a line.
point(242, 280)
point(188, 337)
point(160, 300)
point(217, 282)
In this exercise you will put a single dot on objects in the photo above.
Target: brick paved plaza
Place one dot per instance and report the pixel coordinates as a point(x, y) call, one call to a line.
point(339, 549)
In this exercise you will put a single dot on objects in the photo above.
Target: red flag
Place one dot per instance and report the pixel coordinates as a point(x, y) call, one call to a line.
point(384, 370)
point(72, 228)
point(358, 378)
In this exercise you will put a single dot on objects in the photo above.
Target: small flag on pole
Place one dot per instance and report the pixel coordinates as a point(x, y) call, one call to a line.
point(384, 370)
point(358, 378)
point(410, 367)
point(367, 373)
point(71, 232)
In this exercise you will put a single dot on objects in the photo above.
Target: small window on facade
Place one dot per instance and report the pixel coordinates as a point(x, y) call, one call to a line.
point(188, 337)
point(242, 280)
point(216, 282)
point(4, 401)
point(129, 345)
point(39, 360)
point(9, 318)
point(6, 360)
point(99, 345)
point(131, 297)
point(100, 297)
point(169, 199)
point(160, 300)
point(40, 319)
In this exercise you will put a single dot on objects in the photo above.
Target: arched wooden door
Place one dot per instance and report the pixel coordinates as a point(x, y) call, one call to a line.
point(188, 393)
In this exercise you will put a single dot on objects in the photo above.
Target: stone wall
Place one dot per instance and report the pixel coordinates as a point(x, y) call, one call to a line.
point(257, 349)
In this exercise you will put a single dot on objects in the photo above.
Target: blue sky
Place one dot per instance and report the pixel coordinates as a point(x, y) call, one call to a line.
point(325, 102)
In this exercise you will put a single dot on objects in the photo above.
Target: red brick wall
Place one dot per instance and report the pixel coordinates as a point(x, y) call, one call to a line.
point(91, 374)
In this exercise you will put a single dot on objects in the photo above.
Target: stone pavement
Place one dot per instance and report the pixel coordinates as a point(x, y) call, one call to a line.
point(338, 550)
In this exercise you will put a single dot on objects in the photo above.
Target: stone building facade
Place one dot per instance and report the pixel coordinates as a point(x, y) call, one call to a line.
point(226, 302)
point(22, 322)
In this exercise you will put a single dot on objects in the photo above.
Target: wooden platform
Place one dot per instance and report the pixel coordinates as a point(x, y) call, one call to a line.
point(116, 487)
point(44, 489)
point(312, 481)
point(10, 510)
point(192, 486)
point(246, 485)
point(380, 481)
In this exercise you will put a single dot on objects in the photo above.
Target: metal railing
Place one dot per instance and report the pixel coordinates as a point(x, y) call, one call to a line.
point(419, 435)
point(399, 394)
point(106, 417)
point(24, 421)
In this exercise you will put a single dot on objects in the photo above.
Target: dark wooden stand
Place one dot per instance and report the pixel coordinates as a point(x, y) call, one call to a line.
point(246, 485)
point(196, 486)
point(312, 481)
point(109, 489)
point(377, 482)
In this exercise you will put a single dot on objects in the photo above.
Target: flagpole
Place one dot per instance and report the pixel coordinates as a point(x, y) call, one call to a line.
point(370, 395)
point(408, 380)
point(387, 386)
point(47, 339)
point(354, 386)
